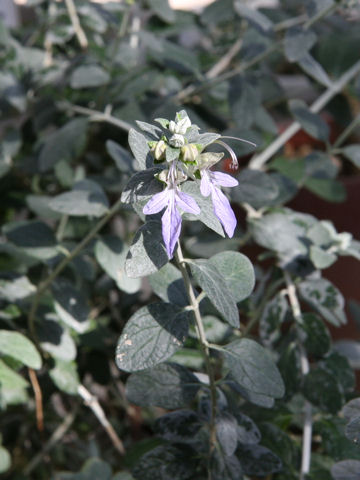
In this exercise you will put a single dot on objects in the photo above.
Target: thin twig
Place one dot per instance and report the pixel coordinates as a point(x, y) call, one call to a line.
point(305, 368)
point(80, 34)
point(38, 399)
point(203, 342)
point(60, 267)
point(93, 403)
point(258, 161)
point(225, 60)
point(53, 440)
point(348, 130)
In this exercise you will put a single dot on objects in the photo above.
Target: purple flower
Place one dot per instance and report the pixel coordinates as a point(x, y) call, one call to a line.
point(222, 209)
point(171, 198)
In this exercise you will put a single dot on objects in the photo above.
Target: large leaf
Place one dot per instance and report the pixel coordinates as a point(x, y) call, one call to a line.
point(180, 426)
point(12, 386)
point(147, 253)
point(352, 152)
point(168, 284)
point(89, 76)
point(252, 367)
point(253, 15)
point(346, 470)
point(317, 340)
point(86, 198)
point(111, 252)
point(17, 346)
point(140, 149)
point(214, 285)
point(298, 42)
point(151, 336)
point(244, 99)
point(322, 389)
point(16, 289)
point(313, 124)
point(67, 144)
point(227, 432)
point(121, 157)
point(71, 305)
point(238, 272)
point(162, 9)
point(313, 68)
point(5, 460)
point(167, 385)
point(325, 298)
point(142, 186)
point(272, 318)
point(65, 377)
point(56, 340)
point(255, 187)
point(258, 461)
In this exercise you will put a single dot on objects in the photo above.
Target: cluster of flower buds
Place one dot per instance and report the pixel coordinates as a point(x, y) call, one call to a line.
point(181, 150)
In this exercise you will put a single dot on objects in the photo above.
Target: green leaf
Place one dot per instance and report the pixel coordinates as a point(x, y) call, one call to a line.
point(5, 460)
point(325, 298)
point(142, 186)
point(168, 284)
point(93, 469)
point(298, 42)
point(180, 426)
point(162, 9)
point(243, 99)
point(317, 340)
point(321, 258)
point(328, 189)
point(33, 236)
point(352, 152)
point(151, 336)
point(258, 461)
point(352, 409)
point(238, 272)
point(207, 215)
point(147, 253)
point(16, 289)
point(86, 198)
point(352, 430)
point(255, 187)
point(121, 157)
point(225, 467)
point(252, 367)
point(71, 305)
point(66, 143)
point(89, 76)
point(17, 346)
point(12, 387)
point(65, 376)
point(346, 470)
point(253, 15)
point(227, 432)
point(272, 318)
point(111, 252)
point(140, 149)
point(56, 340)
point(214, 285)
point(247, 431)
point(163, 463)
point(338, 366)
point(313, 68)
point(12, 91)
point(167, 385)
point(312, 123)
point(322, 389)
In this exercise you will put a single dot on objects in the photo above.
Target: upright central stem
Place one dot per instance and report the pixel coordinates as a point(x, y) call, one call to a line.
point(203, 342)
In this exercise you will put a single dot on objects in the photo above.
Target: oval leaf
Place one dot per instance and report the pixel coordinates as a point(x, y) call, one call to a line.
point(17, 346)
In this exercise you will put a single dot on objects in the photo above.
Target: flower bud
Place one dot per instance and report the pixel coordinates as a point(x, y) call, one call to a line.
point(189, 153)
point(177, 141)
point(158, 151)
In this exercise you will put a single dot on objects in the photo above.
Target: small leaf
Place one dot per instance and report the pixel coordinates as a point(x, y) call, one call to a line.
point(352, 409)
point(243, 99)
point(352, 152)
point(328, 189)
point(313, 124)
point(151, 336)
point(272, 318)
point(322, 389)
point(313, 68)
point(86, 198)
point(298, 42)
point(16, 289)
point(325, 298)
point(5, 460)
point(140, 149)
point(258, 460)
point(147, 253)
point(168, 284)
point(93, 469)
point(17, 346)
point(167, 385)
point(65, 376)
point(346, 470)
point(71, 305)
point(121, 157)
point(56, 340)
point(89, 76)
point(321, 258)
point(318, 339)
point(352, 430)
point(253, 15)
point(162, 9)
point(214, 285)
point(66, 143)
point(227, 432)
point(111, 252)
point(253, 368)
point(247, 431)
point(238, 272)
point(180, 426)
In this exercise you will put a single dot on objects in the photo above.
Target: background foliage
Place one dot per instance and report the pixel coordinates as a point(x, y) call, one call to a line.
point(72, 84)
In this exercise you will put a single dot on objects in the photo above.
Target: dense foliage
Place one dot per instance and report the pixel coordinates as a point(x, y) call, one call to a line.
point(134, 336)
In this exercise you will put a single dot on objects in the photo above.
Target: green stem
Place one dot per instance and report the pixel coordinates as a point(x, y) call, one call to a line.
point(64, 262)
point(348, 130)
point(203, 342)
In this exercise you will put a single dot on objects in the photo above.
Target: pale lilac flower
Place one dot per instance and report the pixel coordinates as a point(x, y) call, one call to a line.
point(171, 198)
point(210, 182)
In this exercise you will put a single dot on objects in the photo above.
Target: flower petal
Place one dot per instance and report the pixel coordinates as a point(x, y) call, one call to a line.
point(187, 203)
point(223, 211)
point(224, 179)
point(157, 202)
point(205, 184)
point(171, 226)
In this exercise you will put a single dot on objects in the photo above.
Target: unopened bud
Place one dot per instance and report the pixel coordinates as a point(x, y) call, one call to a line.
point(177, 141)
point(189, 153)
point(159, 150)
